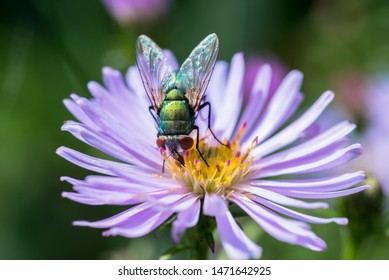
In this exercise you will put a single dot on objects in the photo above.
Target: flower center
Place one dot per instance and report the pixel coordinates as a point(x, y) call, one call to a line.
point(228, 166)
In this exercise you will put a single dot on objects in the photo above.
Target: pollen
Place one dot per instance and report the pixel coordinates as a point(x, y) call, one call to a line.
point(228, 166)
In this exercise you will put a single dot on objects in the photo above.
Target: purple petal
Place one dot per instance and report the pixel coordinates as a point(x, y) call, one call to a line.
point(324, 195)
point(106, 106)
point(256, 100)
point(135, 84)
point(329, 137)
point(80, 198)
point(216, 84)
point(139, 183)
point(292, 132)
point(107, 190)
point(175, 202)
point(214, 94)
point(114, 83)
point(235, 242)
point(112, 132)
point(281, 105)
point(76, 111)
point(100, 197)
point(87, 162)
point(96, 164)
point(281, 199)
point(165, 183)
point(146, 221)
point(211, 204)
point(108, 146)
point(116, 104)
point(299, 216)
point(276, 161)
point(312, 164)
point(277, 226)
point(185, 219)
point(226, 122)
point(334, 183)
point(141, 226)
point(184, 203)
point(135, 214)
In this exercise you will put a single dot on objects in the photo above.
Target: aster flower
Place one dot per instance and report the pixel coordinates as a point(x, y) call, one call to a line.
point(128, 11)
point(375, 137)
point(255, 172)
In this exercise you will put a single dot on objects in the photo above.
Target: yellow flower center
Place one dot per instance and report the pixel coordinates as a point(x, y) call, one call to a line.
point(228, 166)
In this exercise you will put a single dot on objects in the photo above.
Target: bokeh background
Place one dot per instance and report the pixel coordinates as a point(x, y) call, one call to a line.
point(49, 49)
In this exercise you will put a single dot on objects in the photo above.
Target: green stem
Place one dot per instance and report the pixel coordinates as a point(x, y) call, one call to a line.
point(349, 250)
point(200, 238)
point(199, 250)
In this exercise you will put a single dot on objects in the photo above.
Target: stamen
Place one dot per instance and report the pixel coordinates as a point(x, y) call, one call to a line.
point(197, 164)
point(241, 130)
point(217, 167)
point(228, 166)
point(229, 194)
point(255, 142)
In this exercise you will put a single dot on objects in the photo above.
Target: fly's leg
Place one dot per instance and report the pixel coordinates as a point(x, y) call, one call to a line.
point(163, 166)
point(197, 144)
point(209, 121)
point(151, 113)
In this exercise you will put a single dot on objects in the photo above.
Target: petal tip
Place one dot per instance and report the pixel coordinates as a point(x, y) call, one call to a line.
point(60, 150)
point(329, 94)
point(107, 70)
point(342, 221)
point(109, 233)
point(79, 223)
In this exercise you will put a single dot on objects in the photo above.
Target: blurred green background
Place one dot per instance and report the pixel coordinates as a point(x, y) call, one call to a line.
point(50, 49)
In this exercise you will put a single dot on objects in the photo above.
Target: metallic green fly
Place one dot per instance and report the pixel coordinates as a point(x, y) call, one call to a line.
point(176, 96)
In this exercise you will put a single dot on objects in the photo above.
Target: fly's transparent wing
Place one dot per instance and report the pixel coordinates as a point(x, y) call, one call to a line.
point(153, 67)
point(196, 71)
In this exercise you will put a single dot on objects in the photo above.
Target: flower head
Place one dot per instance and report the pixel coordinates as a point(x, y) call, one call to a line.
point(254, 171)
point(376, 135)
point(128, 11)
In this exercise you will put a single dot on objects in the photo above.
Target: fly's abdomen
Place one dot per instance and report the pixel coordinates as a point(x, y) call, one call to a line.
point(175, 118)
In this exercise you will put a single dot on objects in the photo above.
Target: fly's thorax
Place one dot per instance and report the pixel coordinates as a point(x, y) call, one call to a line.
point(175, 94)
point(176, 116)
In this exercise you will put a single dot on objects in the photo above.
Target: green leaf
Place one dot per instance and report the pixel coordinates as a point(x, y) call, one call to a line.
point(210, 241)
point(173, 250)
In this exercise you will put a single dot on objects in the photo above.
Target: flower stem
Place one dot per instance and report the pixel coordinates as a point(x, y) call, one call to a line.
point(200, 238)
point(349, 250)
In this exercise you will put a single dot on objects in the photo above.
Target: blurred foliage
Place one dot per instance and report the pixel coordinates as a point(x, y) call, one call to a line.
point(50, 49)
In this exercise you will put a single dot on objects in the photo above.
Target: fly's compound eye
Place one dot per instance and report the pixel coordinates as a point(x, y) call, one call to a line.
point(186, 142)
point(161, 143)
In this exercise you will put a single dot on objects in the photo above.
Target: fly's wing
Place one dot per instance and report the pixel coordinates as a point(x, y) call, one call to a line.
point(196, 71)
point(154, 68)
